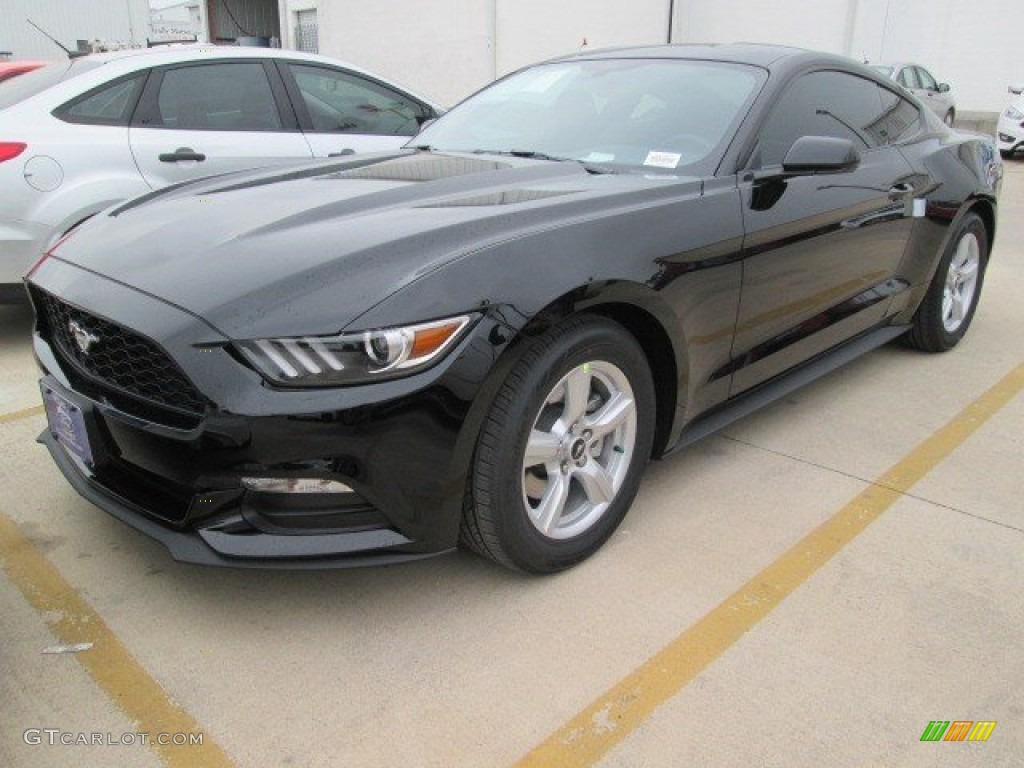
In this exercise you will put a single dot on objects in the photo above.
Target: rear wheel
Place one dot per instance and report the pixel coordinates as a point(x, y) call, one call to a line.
point(559, 458)
point(948, 307)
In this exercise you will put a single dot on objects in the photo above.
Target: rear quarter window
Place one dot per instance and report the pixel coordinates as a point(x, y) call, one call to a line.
point(109, 104)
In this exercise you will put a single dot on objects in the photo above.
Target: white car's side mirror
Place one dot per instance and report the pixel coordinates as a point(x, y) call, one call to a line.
point(1017, 89)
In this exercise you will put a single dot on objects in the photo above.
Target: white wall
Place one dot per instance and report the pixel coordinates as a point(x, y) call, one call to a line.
point(448, 48)
point(123, 21)
point(820, 24)
point(442, 49)
point(534, 30)
point(974, 46)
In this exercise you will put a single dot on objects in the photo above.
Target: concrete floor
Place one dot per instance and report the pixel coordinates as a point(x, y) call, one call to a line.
point(454, 662)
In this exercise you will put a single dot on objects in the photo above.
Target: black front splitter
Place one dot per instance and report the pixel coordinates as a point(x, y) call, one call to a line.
point(248, 550)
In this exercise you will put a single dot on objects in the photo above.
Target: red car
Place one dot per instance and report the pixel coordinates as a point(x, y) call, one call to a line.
point(9, 69)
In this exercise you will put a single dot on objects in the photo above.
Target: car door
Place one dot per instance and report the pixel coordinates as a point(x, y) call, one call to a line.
point(342, 112)
point(210, 117)
point(820, 251)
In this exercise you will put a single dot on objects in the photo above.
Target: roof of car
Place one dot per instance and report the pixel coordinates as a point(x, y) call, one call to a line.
point(758, 54)
point(189, 50)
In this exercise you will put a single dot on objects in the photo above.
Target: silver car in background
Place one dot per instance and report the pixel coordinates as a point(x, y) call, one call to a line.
point(78, 136)
point(919, 81)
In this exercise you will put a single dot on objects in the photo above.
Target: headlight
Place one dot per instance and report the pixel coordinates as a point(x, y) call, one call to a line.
point(353, 358)
point(1014, 114)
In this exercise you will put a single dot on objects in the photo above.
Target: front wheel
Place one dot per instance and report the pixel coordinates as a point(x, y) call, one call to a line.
point(948, 308)
point(560, 455)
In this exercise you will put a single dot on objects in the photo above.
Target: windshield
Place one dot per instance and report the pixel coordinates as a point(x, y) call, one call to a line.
point(637, 113)
point(25, 86)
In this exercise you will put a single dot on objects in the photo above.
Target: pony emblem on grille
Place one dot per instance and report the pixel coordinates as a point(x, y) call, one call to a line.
point(82, 337)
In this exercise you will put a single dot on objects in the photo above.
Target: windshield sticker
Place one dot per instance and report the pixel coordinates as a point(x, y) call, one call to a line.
point(598, 157)
point(662, 159)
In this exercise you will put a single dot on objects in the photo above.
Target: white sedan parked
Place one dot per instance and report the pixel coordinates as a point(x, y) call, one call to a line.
point(1010, 131)
point(78, 136)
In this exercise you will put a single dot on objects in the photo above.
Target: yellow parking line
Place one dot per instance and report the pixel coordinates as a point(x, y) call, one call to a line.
point(613, 715)
point(35, 410)
point(111, 665)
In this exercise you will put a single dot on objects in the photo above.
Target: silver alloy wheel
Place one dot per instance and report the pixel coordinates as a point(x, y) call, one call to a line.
point(579, 450)
point(961, 282)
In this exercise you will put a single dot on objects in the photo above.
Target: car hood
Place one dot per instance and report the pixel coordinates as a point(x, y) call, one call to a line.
point(306, 251)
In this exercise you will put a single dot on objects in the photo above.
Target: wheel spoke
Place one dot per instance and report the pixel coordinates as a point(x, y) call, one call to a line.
point(577, 395)
point(596, 483)
point(614, 412)
point(541, 448)
point(552, 506)
point(968, 269)
point(958, 308)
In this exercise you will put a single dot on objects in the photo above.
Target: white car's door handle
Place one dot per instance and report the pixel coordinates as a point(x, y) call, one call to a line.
point(345, 151)
point(181, 154)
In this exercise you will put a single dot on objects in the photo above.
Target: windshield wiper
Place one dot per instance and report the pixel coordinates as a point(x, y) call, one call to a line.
point(532, 155)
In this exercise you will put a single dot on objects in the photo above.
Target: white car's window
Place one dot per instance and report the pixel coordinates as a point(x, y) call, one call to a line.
point(927, 81)
point(217, 97)
point(908, 78)
point(111, 105)
point(339, 102)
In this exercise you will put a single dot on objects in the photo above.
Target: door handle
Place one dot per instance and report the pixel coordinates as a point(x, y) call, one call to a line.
point(345, 151)
point(900, 191)
point(181, 154)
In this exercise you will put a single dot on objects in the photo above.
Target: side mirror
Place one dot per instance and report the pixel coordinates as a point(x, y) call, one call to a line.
point(820, 154)
point(943, 87)
point(1016, 89)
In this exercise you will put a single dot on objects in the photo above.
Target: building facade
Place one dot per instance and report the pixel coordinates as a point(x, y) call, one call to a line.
point(115, 23)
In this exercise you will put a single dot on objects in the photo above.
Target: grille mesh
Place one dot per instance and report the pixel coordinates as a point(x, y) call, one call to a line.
point(118, 357)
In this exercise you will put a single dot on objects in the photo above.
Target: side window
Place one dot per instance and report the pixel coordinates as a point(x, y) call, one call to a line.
point(823, 104)
point(340, 102)
point(900, 119)
point(217, 97)
point(110, 104)
point(927, 81)
point(908, 78)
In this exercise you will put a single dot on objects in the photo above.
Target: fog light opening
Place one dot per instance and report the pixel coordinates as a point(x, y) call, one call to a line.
point(294, 485)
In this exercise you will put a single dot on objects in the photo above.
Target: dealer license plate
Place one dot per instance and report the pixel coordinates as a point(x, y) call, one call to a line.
point(67, 424)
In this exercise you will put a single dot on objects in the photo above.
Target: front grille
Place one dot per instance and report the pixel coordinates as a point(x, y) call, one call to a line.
point(117, 358)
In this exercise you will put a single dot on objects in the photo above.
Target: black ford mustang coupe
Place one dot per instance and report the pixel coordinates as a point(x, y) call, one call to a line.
point(485, 336)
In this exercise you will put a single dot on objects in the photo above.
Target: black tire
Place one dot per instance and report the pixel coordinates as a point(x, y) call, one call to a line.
point(496, 521)
point(1006, 153)
point(950, 118)
point(929, 331)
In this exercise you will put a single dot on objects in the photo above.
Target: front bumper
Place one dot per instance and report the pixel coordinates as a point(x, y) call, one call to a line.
point(1009, 134)
point(222, 546)
point(21, 243)
point(402, 447)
